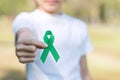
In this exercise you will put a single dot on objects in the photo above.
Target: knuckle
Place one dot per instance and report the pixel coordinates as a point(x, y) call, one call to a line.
point(17, 47)
point(31, 41)
point(19, 41)
point(18, 54)
point(21, 60)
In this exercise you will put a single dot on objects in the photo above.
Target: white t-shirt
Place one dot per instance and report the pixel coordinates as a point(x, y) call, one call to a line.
point(71, 42)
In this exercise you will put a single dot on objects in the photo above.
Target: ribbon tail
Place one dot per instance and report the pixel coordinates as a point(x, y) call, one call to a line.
point(54, 53)
point(44, 55)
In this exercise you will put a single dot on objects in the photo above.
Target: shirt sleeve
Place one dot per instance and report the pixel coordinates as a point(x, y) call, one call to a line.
point(22, 21)
point(86, 46)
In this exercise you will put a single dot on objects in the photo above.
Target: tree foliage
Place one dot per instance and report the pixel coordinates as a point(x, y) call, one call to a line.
point(89, 10)
point(93, 10)
point(8, 7)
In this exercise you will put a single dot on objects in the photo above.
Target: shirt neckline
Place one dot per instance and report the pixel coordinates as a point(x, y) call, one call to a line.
point(49, 16)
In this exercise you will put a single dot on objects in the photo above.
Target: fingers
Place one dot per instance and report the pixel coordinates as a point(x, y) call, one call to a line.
point(25, 57)
point(34, 42)
point(25, 60)
point(29, 48)
point(25, 54)
point(38, 44)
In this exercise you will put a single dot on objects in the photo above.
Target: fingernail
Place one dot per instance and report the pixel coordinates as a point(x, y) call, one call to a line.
point(46, 45)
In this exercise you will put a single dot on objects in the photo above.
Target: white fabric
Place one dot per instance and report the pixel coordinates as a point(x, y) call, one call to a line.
point(71, 42)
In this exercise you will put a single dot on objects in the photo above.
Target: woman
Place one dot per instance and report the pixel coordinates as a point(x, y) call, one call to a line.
point(71, 42)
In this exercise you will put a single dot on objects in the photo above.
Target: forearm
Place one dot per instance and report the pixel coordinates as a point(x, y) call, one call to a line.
point(85, 74)
point(86, 77)
point(84, 69)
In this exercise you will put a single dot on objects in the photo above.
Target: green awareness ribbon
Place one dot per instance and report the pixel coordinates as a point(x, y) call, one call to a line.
point(49, 39)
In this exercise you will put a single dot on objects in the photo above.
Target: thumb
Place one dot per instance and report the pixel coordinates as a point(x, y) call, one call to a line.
point(39, 44)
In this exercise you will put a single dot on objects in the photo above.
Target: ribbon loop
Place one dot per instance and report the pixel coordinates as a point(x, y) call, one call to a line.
point(49, 40)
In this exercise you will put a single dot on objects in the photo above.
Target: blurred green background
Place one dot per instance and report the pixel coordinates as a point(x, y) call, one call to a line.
point(103, 18)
